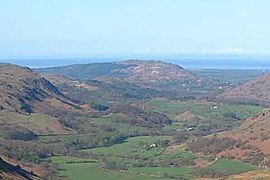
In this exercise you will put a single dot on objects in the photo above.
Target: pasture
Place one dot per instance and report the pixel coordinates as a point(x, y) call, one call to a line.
point(203, 109)
point(135, 146)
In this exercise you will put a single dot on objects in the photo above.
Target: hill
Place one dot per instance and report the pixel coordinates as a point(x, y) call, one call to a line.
point(23, 90)
point(11, 172)
point(254, 132)
point(84, 119)
point(249, 142)
point(131, 70)
point(255, 91)
point(132, 80)
point(152, 71)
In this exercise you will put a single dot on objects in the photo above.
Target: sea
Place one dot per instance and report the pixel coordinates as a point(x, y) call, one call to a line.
point(248, 63)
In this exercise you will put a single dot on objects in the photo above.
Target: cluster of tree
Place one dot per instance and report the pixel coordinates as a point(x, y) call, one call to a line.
point(256, 158)
point(266, 164)
point(113, 165)
point(180, 137)
point(97, 141)
point(98, 106)
point(180, 177)
point(210, 172)
point(68, 121)
point(17, 133)
point(137, 116)
point(231, 116)
point(29, 151)
point(203, 127)
point(179, 162)
point(212, 145)
point(265, 136)
point(50, 172)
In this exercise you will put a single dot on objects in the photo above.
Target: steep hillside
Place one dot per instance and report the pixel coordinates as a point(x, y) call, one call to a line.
point(132, 70)
point(255, 91)
point(23, 90)
point(19, 126)
point(11, 172)
point(132, 80)
point(255, 132)
point(250, 142)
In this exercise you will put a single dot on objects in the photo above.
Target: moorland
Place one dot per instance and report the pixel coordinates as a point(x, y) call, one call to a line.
point(133, 120)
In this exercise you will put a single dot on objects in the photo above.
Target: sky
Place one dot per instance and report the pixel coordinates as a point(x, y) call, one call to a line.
point(88, 28)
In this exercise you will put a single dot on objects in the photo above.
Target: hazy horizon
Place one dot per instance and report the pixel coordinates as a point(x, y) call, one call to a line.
point(144, 28)
point(193, 34)
point(187, 62)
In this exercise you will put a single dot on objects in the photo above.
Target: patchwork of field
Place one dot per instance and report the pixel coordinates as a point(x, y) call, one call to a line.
point(153, 157)
point(202, 109)
point(136, 146)
point(135, 160)
point(83, 169)
point(203, 115)
point(126, 124)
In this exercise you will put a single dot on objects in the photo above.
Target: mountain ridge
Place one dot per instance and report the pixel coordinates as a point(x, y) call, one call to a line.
point(24, 90)
point(254, 91)
point(131, 70)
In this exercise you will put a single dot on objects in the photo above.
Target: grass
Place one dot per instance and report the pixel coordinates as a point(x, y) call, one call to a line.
point(108, 121)
point(82, 168)
point(179, 154)
point(83, 171)
point(38, 123)
point(205, 110)
point(161, 171)
point(232, 167)
point(202, 115)
point(69, 159)
point(133, 146)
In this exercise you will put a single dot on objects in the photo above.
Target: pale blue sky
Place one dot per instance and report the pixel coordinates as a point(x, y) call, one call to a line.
point(85, 28)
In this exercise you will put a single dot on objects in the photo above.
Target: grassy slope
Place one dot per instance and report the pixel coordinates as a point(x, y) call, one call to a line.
point(38, 123)
point(135, 145)
point(83, 171)
point(204, 110)
point(84, 71)
point(232, 167)
point(160, 171)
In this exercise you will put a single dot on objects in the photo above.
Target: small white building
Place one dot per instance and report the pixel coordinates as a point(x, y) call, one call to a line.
point(189, 129)
point(153, 145)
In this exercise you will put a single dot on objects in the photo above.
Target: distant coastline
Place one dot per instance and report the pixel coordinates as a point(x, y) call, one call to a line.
point(187, 63)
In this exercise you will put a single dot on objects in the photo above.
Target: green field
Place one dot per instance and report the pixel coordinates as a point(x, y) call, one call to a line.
point(80, 169)
point(164, 171)
point(205, 110)
point(179, 154)
point(83, 169)
point(126, 154)
point(232, 167)
point(135, 146)
point(129, 154)
point(108, 120)
point(135, 159)
point(203, 115)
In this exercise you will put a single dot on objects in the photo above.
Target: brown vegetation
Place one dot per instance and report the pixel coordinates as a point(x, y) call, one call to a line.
point(23, 90)
point(255, 91)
